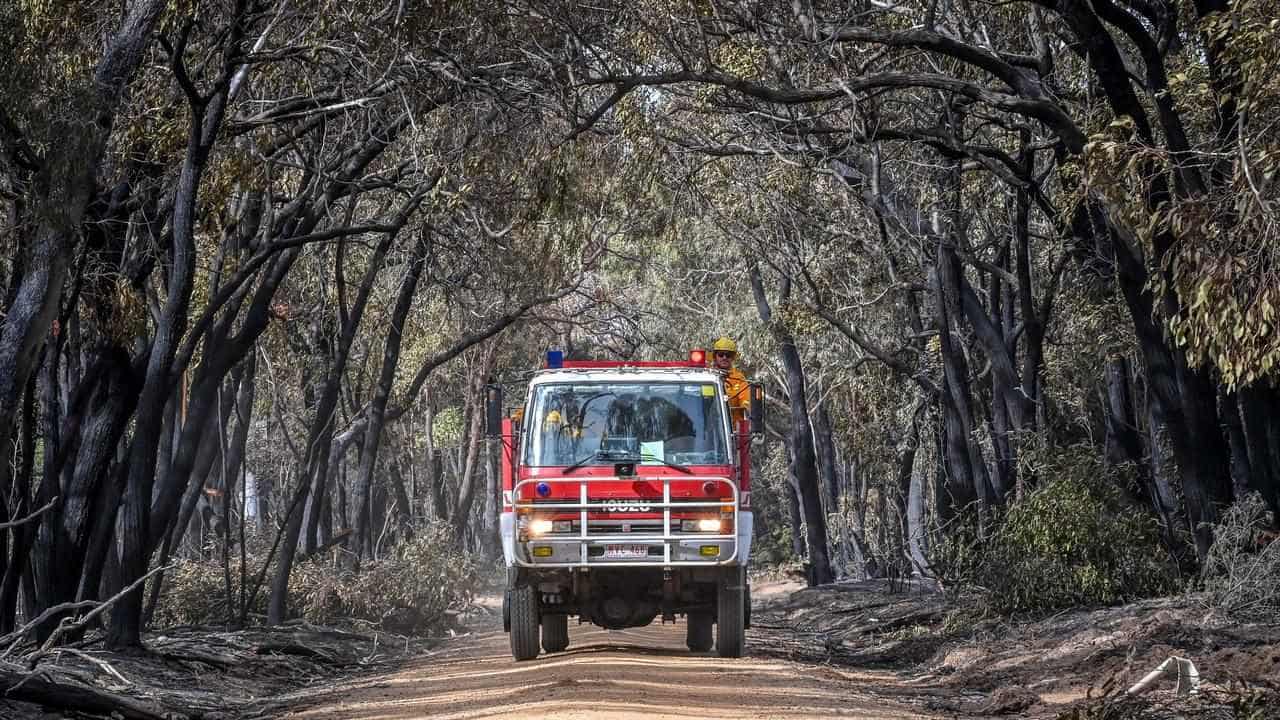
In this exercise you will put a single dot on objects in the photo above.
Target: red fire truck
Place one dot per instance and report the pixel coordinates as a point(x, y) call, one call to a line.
point(626, 497)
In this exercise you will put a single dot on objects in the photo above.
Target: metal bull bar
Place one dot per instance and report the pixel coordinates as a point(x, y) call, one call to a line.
point(585, 539)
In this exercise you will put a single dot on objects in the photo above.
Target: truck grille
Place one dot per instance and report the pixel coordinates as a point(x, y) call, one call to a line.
point(655, 540)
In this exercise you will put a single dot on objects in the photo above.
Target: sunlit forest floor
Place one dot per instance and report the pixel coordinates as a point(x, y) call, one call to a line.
point(872, 649)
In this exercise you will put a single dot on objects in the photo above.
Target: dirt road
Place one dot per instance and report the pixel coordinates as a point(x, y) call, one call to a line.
point(643, 673)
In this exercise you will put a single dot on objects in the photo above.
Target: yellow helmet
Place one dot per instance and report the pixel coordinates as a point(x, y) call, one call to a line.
point(553, 417)
point(725, 343)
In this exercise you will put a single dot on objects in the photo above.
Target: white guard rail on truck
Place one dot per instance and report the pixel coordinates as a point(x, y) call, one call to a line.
point(585, 539)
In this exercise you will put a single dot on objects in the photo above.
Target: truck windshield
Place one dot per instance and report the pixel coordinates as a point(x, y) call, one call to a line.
point(603, 423)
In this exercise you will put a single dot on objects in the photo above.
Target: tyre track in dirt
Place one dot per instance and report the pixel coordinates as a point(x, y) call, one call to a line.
point(643, 672)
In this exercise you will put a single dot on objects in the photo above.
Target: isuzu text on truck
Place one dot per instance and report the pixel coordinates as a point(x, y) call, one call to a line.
point(626, 497)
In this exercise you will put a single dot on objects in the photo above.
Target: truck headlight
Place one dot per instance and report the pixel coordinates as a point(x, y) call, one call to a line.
point(706, 525)
point(542, 527)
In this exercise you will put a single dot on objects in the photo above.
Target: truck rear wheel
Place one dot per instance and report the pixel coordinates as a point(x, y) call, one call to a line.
point(524, 622)
point(555, 632)
point(731, 614)
point(698, 633)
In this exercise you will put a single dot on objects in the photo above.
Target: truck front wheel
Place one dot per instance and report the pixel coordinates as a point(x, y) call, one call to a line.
point(524, 622)
point(555, 632)
point(731, 613)
point(698, 633)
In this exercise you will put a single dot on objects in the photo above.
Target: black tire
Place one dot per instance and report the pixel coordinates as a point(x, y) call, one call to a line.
point(731, 614)
point(698, 631)
point(746, 623)
point(524, 622)
point(555, 633)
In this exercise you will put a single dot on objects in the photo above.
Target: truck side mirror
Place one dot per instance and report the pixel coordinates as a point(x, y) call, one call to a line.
point(493, 410)
point(756, 409)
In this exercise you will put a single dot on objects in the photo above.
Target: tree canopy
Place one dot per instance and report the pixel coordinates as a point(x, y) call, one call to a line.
point(262, 256)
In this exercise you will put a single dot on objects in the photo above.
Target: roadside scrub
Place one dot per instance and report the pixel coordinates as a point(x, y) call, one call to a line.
point(1073, 540)
point(414, 590)
point(1072, 599)
point(1241, 575)
point(346, 622)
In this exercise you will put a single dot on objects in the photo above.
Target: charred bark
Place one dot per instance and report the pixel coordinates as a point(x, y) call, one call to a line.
point(1261, 429)
point(804, 458)
point(16, 552)
point(138, 536)
point(320, 436)
point(63, 187)
point(966, 468)
point(88, 498)
point(382, 392)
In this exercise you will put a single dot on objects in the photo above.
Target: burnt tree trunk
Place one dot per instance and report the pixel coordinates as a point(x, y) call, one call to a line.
point(804, 458)
point(320, 436)
point(1123, 440)
point(18, 562)
point(473, 440)
point(1233, 427)
point(88, 498)
point(139, 537)
point(64, 187)
point(1260, 416)
point(382, 391)
point(828, 464)
point(965, 485)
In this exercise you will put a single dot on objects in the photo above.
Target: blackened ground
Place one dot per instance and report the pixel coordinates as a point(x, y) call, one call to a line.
point(859, 650)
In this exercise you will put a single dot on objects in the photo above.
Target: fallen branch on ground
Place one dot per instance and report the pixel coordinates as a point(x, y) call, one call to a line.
point(38, 687)
point(15, 638)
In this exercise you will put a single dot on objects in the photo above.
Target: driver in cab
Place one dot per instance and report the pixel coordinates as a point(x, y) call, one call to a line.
point(561, 435)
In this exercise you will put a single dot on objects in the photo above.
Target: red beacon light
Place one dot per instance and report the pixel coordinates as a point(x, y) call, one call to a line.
point(698, 355)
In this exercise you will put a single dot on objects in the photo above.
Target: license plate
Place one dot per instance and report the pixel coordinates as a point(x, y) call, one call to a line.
point(626, 552)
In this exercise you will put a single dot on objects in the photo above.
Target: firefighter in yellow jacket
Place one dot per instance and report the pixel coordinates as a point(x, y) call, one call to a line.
point(724, 352)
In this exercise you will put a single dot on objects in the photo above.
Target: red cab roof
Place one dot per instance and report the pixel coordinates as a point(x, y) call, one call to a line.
point(606, 364)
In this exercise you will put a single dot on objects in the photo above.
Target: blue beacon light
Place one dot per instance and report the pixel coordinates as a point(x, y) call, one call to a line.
point(555, 359)
point(544, 489)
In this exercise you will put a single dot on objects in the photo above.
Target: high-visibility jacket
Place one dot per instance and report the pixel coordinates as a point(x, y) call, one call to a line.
point(554, 423)
point(738, 393)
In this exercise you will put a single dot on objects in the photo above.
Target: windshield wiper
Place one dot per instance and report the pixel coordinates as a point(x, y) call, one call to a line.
point(594, 455)
point(676, 466)
point(609, 455)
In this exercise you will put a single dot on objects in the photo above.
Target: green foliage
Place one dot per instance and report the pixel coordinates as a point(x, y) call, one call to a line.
point(447, 430)
point(1073, 540)
point(769, 498)
point(1217, 250)
point(1241, 575)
